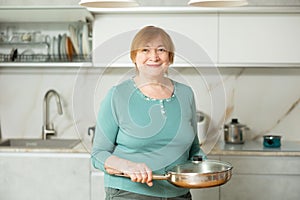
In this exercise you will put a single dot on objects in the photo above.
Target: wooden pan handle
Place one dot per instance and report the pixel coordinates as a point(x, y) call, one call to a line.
point(154, 176)
point(160, 177)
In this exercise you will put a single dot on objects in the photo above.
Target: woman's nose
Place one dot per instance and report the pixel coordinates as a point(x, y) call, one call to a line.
point(154, 54)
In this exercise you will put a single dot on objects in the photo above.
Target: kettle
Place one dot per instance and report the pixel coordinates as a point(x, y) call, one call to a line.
point(234, 132)
point(202, 123)
point(91, 132)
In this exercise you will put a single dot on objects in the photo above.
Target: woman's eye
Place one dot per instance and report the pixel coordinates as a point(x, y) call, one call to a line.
point(158, 50)
point(161, 50)
point(145, 50)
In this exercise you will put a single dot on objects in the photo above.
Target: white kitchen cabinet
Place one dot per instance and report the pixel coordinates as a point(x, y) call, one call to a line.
point(206, 193)
point(47, 176)
point(262, 178)
point(259, 39)
point(194, 36)
point(97, 185)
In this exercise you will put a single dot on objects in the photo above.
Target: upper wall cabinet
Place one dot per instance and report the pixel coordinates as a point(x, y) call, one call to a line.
point(259, 39)
point(194, 36)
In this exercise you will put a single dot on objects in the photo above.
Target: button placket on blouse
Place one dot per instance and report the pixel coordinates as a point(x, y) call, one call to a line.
point(162, 107)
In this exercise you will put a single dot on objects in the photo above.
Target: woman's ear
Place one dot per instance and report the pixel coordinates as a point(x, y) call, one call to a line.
point(136, 68)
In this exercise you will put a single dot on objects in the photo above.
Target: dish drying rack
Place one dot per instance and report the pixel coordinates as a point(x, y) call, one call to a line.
point(30, 45)
point(8, 58)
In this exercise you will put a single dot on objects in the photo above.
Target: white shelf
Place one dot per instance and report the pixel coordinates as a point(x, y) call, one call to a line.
point(48, 64)
point(187, 9)
point(44, 14)
point(211, 65)
point(260, 65)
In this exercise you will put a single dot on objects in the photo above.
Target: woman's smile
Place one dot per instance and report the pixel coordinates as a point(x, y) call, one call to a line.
point(153, 65)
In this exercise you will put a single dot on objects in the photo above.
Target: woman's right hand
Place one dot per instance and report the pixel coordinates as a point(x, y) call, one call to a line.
point(138, 172)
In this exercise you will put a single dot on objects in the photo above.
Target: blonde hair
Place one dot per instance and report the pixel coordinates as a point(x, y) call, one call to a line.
point(147, 34)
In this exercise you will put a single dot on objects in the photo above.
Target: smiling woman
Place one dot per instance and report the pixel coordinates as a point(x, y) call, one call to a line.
point(147, 34)
point(152, 61)
point(146, 124)
point(152, 52)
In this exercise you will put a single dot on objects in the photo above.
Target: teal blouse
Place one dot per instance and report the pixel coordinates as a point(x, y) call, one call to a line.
point(158, 132)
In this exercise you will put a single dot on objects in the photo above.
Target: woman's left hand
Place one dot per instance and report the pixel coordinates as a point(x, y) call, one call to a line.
point(138, 172)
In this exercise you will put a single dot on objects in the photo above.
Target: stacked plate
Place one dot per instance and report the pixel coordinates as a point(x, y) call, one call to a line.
point(80, 40)
point(76, 45)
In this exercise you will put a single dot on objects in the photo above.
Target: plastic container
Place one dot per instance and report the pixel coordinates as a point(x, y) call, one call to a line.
point(272, 141)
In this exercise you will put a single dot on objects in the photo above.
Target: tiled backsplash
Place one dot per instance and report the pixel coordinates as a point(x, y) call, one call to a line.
point(265, 99)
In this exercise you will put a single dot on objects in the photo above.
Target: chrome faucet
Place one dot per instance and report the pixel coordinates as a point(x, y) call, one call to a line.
point(48, 128)
point(0, 132)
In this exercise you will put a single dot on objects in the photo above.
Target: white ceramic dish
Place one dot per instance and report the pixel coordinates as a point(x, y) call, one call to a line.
point(55, 47)
point(58, 45)
point(74, 38)
point(85, 41)
point(63, 46)
point(79, 39)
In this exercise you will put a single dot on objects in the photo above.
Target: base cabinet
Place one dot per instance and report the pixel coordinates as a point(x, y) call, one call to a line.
point(261, 187)
point(97, 186)
point(206, 193)
point(262, 178)
point(253, 178)
point(47, 176)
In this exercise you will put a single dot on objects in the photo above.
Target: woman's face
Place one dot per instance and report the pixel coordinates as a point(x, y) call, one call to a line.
point(153, 58)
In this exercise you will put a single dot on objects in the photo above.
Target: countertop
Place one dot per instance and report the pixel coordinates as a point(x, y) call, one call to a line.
point(256, 148)
point(80, 148)
point(249, 148)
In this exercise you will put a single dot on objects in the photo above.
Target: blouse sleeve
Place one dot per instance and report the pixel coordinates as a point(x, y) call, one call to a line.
point(105, 133)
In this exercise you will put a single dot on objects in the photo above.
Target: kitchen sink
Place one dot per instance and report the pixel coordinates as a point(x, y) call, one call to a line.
point(40, 143)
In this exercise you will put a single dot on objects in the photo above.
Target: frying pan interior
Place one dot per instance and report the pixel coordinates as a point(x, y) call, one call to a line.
point(202, 167)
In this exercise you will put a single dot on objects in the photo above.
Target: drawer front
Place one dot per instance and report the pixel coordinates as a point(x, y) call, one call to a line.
point(264, 165)
point(261, 187)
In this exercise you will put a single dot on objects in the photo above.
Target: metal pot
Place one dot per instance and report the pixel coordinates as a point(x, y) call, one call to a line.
point(272, 141)
point(234, 132)
point(198, 174)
